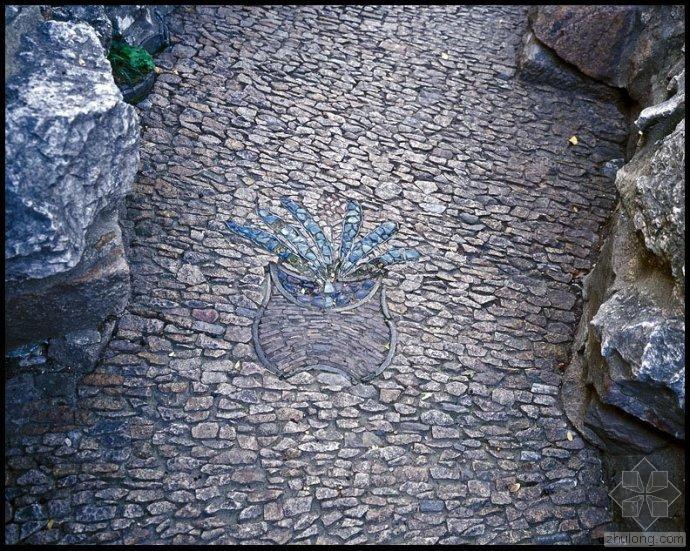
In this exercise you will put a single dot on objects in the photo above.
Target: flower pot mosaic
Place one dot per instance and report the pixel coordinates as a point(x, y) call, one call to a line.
point(324, 309)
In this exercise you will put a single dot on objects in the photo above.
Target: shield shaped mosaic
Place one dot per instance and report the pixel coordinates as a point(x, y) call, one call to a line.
point(324, 309)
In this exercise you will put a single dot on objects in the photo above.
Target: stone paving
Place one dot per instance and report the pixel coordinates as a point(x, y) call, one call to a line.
point(181, 436)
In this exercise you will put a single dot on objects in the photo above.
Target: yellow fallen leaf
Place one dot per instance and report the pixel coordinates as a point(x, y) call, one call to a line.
point(51, 522)
point(573, 140)
point(514, 487)
point(158, 70)
point(238, 365)
point(569, 435)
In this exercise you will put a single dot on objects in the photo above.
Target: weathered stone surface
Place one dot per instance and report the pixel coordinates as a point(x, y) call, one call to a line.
point(645, 354)
point(72, 152)
point(633, 350)
point(435, 417)
point(71, 147)
point(652, 188)
point(616, 432)
point(91, 513)
point(631, 47)
point(190, 274)
point(628, 359)
point(539, 64)
point(658, 54)
point(598, 40)
point(94, 15)
point(140, 25)
point(662, 117)
point(296, 506)
point(82, 348)
point(20, 21)
point(76, 300)
point(205, 430)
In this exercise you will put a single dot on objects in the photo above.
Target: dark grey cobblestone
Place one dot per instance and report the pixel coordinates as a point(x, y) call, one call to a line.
point(180, 436)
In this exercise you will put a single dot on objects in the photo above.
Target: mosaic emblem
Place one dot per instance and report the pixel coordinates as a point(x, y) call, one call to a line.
point(322, 309)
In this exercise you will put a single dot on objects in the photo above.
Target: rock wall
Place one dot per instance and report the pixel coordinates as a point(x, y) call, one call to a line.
point(72, 155)
point(625, 386)
point(72, 150)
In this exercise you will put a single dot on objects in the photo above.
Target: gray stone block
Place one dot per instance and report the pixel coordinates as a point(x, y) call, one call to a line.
point(72, 154)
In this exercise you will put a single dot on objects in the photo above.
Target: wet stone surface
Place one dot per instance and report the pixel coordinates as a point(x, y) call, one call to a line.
point(181, 436)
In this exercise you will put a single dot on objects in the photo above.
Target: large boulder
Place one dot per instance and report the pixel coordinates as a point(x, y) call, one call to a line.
point(139, 25)
point(71, 149)
point(629, 47)
point(624, 387)
point(659, 51)
point(142, 26)
point(596, 39)
point(81, 298)
point(94, 15)
point(643, 349)
point(537, 63)
point(652, 189)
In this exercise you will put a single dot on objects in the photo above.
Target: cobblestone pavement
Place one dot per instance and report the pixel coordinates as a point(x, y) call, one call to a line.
point(180, 435)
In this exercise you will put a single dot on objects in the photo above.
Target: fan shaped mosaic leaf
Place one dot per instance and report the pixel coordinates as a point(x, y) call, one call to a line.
point(304, 248)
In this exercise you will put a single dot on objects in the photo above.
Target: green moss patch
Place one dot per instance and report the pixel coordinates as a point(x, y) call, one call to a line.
point(130, 63)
